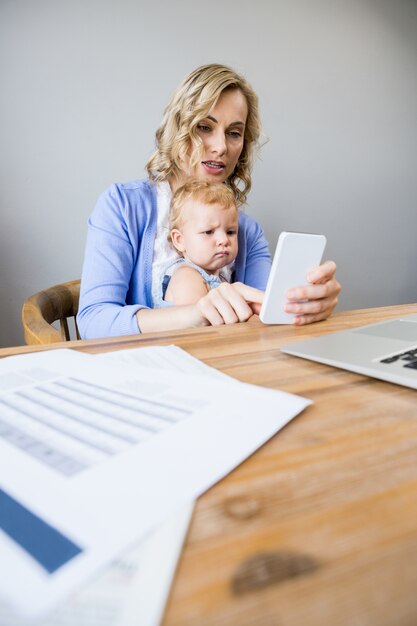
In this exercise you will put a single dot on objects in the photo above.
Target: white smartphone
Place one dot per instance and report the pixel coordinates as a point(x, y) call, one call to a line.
point(295, 255)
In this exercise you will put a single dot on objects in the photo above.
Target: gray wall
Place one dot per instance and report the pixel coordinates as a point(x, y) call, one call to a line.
point(84, 83)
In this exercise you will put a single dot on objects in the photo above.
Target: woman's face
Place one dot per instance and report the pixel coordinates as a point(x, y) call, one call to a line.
point(222, 133)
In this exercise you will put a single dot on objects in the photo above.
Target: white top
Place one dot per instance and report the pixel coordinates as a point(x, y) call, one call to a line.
point(164, 254)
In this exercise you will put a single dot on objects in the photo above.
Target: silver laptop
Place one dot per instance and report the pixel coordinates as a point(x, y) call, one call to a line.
point(387, 350)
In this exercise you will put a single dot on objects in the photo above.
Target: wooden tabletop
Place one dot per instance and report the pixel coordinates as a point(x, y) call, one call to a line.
point(319, 526)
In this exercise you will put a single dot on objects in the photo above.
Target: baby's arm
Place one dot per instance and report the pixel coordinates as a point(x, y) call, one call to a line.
point(186, 286)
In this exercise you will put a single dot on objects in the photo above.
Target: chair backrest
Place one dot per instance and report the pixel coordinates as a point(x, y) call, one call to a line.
point(57, 303)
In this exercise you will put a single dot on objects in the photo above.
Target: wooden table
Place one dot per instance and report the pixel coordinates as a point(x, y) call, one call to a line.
point(319, 527)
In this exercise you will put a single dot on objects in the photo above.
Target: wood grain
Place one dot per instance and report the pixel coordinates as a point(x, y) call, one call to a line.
point(55, 304)
point(318, 526)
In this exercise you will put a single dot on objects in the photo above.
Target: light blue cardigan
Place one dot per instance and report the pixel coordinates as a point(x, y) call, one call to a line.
point(117, 273)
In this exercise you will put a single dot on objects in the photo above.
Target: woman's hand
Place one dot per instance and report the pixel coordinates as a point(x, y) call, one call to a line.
point(321, 295)
point(229, 304)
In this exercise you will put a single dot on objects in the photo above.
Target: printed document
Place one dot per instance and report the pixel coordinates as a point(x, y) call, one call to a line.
point(134, 588)
point(94, 455)
point(131, 591)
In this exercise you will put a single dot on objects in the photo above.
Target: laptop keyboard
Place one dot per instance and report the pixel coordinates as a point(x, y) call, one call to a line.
point(409, 357)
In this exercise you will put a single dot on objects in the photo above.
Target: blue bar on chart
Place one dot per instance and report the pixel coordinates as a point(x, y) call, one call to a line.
point(50, 548)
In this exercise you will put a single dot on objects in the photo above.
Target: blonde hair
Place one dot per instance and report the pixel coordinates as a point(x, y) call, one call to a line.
point(190, 104)
point(202, 191)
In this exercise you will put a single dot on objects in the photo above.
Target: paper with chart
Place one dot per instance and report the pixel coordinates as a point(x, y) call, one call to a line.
point(132, 590)
point(134, 587)
point(93, 456)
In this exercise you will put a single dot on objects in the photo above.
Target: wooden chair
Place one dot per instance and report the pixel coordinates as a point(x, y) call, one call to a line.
point(50, 305)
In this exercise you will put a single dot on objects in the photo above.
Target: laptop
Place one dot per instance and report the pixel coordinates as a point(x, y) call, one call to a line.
point(387, 350)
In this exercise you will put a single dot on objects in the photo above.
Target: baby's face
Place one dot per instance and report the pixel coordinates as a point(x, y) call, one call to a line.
point(208, 235)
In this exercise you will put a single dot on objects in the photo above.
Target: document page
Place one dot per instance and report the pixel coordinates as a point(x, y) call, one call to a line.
point(167, 358)
point(131, 591)
point(94, 455)
point(134, 588)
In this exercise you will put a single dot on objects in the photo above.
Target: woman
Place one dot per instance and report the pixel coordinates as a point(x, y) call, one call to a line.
point(209, 131)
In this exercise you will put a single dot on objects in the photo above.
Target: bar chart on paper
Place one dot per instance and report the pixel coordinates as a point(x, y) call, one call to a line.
point(72, 424)
point(84, 435)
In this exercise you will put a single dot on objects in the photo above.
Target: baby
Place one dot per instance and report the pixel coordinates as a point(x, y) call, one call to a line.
point(203, 229)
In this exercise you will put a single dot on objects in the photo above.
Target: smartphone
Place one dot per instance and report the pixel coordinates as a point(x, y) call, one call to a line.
point(295, 255)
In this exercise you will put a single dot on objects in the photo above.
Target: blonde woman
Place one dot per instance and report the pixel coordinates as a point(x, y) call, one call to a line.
point(209, 131)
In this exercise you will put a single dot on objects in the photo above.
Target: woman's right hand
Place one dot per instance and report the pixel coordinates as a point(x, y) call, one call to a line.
point(228, 304)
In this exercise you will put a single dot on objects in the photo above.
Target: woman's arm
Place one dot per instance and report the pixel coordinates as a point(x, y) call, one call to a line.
point(227, 304)
point(112, 255)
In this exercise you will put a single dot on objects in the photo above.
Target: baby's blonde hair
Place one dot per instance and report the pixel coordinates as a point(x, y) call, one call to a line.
point(190, 104)
point(200, 191)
